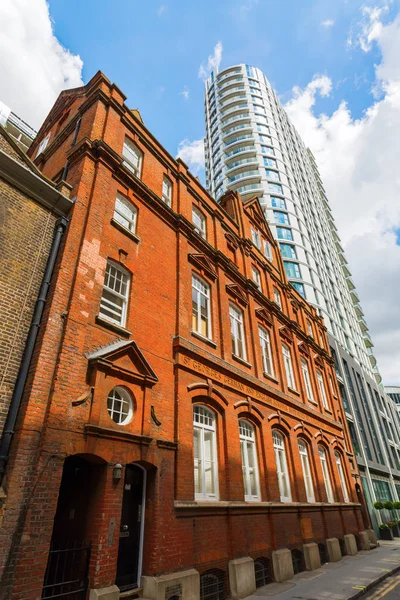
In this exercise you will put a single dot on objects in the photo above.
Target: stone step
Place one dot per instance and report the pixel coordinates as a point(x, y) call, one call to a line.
point(132, 595)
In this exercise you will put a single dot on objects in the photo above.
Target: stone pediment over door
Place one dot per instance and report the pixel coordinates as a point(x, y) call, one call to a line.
point(125, 360)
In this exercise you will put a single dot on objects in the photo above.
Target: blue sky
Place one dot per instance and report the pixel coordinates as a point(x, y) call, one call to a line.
point(153, 51)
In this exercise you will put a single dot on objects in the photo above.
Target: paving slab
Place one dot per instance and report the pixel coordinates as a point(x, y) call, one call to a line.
point(348, 579)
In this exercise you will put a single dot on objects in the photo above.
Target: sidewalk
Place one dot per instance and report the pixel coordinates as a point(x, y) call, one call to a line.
point(345, 580)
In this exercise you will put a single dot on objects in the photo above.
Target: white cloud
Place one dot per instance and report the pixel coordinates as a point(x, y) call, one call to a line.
point(161, 10)
point(34, 66)
point(369, 28)
point(192, 153)
point(213, 62)
point(359, 163)
point(328, 23)
point(185, 93)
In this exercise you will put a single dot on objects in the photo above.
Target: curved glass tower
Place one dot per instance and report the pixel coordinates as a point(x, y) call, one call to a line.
point(252, 147)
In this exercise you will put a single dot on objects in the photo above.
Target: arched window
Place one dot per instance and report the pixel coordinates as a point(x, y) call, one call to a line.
point(205, 454)
point(199, 221)
point(305, 463)
point(325, 472)
point(125, 213)
point(120, 406)
point(249, 461)
point(341, 477)
point(133, 157)
point(281, 466)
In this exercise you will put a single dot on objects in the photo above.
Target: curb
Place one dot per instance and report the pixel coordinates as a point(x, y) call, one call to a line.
point(374, 583)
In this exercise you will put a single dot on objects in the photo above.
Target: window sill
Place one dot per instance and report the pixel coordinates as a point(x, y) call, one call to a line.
point(124, 230)
point(328, 411)
point(243, 504)
point(204, 339)
point(270, 377)
point(293, 391)
point(312, 402)
point(113, 326)
point(241, 361)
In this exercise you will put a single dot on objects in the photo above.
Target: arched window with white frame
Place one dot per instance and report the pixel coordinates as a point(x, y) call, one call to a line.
point(325, 473)
point(125, 213)
point(133, 157)
point(249, 461)
point(305, 464)
point(281, 466)
point(205, 454)
point(341, 477)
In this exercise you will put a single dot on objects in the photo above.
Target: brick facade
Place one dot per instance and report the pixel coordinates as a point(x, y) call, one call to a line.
point(155, 355)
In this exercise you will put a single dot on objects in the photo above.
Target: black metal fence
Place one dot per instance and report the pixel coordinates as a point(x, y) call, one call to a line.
point(67, 572)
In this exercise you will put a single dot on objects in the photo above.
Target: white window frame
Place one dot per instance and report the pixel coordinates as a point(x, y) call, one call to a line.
point(322, 390)
point(310, 329)
point(167, 191)
point(43, 144)
point(307, 381)
point(265, 343)
point(108, 304)
point(125, 398)
point(288, 363)
point(341, 477)
point(204, 424)
point(255, 236)
point(199, 222)
point(248, 447)
point(237, 331)
point(201, 289)
point(325, 473)
point(129, 149)
point(256, 277)
point(305, 464)
point(277, 297)
point(120, 215)
point(281, 466)
point(267, 250)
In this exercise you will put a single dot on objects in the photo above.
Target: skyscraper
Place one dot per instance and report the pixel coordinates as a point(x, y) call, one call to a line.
point(252, 147)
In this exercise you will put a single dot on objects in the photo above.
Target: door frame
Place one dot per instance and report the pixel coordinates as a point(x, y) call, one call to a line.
point(140, 559)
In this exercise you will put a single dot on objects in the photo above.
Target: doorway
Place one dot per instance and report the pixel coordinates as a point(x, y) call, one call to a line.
point(68, 561)
point(129, 565)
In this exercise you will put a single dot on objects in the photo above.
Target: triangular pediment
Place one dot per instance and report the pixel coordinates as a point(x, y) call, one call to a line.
point(303, 347)
point(253, 208)
point(264, 315)
point(203, 264)
point(124, 358)
point(286, 333)
point(318, 361)
point(237, 292)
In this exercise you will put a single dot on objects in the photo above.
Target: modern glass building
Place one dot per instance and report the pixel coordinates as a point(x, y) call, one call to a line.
point(252, 147)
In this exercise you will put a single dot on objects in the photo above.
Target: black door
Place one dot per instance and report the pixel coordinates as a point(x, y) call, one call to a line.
point(129, 536)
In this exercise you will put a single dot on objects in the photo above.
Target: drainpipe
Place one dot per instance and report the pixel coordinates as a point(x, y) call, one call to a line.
point(12, 415)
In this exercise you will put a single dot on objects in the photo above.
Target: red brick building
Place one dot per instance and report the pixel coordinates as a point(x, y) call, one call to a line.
point(183, 415)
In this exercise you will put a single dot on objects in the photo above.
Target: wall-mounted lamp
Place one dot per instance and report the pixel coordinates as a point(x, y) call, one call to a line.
point(117, 472)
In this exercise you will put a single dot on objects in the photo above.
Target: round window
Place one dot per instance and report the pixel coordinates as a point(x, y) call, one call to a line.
point(119, 406)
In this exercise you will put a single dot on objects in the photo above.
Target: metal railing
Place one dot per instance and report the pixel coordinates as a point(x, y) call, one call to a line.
point(66, 575)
